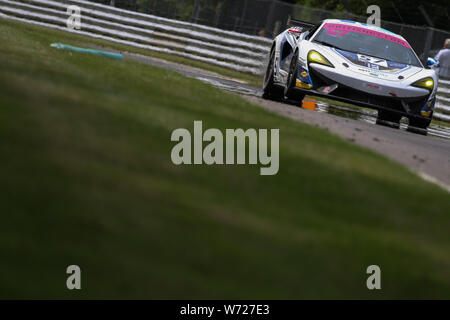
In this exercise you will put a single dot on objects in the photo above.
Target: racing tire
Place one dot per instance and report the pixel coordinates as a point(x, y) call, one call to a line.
point(419, 125)
point(289, 91)
point(389, 119)
point(270, 90)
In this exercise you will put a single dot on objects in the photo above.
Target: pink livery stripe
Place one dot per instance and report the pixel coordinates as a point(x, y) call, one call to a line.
point(342, 29)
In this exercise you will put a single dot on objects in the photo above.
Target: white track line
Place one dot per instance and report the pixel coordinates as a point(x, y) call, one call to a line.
point(433, 180)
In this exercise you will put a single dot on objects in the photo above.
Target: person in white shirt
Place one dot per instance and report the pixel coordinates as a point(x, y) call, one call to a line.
point(443, 57)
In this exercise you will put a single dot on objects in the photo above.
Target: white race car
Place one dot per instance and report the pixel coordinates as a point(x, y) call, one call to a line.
point(356, 63)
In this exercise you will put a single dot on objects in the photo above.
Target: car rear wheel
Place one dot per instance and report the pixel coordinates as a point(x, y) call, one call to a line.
point(270, 90)
point(389, 119)
point(289, 91)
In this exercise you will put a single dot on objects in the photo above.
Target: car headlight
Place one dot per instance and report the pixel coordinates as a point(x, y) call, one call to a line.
point(426, 83)
point(315, 57)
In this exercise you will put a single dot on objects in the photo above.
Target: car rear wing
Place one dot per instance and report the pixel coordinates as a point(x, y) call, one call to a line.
point(299, 23)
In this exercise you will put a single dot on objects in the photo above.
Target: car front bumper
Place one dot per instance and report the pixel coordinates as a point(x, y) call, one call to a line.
point(409, 104)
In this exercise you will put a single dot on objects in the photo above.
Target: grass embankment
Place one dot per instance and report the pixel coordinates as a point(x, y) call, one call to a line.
point(86, 179)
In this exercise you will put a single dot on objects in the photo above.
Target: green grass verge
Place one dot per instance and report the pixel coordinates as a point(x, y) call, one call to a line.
point(86, 179)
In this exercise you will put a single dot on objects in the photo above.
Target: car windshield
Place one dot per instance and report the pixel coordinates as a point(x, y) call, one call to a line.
point(368, 42)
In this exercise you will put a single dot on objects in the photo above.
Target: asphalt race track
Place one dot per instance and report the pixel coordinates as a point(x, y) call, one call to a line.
point(429, 155)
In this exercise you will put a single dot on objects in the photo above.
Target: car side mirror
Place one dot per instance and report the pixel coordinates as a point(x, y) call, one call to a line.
point(432, 63)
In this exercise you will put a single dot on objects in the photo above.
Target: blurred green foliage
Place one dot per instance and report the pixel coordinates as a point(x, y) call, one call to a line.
point(403, 11)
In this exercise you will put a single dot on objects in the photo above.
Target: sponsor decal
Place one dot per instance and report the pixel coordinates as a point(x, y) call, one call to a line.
point(328, 89)
point(396, 65)
point(373, 73)
point(296, 30)
point(372, 85)
point(428, 107)
point(373, 66)
point(300, 84)
point(303, 77)
point(378, 74)
point(372, 62)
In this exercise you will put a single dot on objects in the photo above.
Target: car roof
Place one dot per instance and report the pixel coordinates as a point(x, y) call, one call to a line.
point(363, 25)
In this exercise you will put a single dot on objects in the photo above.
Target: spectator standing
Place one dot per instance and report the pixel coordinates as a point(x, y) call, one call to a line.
point(443, 57)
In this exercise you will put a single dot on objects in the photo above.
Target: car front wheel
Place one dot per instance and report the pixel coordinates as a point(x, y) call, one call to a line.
point(389, 119)
point(419, 125)
point(289, 91)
